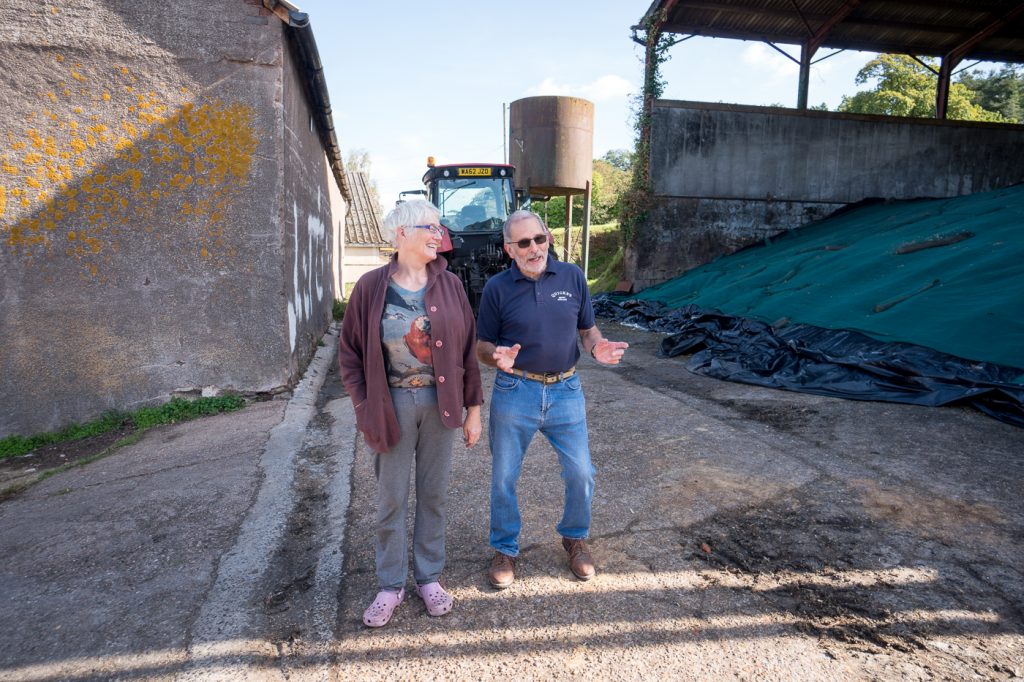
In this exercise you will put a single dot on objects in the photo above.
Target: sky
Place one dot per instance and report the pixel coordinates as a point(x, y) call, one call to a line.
point(409, 80)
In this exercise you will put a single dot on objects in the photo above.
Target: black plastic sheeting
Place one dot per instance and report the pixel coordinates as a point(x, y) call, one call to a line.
point(837, 363)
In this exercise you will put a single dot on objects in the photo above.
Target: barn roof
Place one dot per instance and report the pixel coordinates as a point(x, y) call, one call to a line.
point(986, 30)
point(363, 222)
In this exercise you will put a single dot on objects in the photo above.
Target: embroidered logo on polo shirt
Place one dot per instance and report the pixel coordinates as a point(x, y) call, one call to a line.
point(561, 295)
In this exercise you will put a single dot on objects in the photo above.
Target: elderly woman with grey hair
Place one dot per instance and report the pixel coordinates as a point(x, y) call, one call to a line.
point(408, 361)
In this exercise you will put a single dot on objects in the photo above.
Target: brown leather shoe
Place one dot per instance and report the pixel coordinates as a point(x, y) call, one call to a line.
point(580, 562)
point(503, 570)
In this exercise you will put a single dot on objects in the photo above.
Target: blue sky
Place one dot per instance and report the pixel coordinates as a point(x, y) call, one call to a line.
point(408, 80)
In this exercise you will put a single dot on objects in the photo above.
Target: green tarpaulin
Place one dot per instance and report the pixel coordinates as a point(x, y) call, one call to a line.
point(947, 274)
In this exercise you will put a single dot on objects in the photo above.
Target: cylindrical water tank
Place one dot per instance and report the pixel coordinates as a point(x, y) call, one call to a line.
point(552, 144)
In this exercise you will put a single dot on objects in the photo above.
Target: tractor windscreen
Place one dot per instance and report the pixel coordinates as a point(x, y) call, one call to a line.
point(474, 204)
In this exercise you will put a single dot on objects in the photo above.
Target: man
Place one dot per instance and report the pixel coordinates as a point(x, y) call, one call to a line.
point(529, 318)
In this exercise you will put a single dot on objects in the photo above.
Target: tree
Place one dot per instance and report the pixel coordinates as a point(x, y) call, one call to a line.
point(608, 181)
point(620, 158)
point(358, 161)
point(1001, 91)
point(906, 87)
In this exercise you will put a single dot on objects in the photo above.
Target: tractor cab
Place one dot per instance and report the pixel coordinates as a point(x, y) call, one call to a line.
point(474, 200)
point(471, 197)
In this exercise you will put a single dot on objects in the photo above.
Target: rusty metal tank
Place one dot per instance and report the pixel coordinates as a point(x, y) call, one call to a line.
point(552, 144)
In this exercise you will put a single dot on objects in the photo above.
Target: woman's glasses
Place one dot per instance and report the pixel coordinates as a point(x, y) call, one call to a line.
point(525, 243)
point(434, 229)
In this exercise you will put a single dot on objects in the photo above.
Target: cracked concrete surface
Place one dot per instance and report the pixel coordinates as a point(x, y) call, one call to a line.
point(739, 532)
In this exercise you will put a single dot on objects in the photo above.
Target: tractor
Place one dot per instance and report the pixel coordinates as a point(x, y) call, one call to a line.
point(474, 200)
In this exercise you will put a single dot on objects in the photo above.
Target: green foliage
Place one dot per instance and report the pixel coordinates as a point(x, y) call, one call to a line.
point(15, 445)
point(605, 254)
point(620, 158)
point(338, 310)
point(637, 200)
point(178, 409)
point(607, 186)
point(609, 276)
point(1001, 91)
point(906, 87)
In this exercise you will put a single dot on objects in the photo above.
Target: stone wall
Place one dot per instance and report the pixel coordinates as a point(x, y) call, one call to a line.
point(728, 176)
point(154, 230)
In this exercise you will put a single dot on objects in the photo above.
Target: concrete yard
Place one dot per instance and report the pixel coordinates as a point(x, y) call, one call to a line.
point(739, 533)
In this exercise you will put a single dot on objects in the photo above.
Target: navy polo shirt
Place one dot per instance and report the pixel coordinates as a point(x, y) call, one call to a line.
point(543, 316)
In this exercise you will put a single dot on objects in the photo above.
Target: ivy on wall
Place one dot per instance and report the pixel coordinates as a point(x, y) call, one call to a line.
point(638, 197)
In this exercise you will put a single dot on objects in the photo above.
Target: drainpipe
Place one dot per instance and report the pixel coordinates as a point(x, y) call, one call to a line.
point(301, 34)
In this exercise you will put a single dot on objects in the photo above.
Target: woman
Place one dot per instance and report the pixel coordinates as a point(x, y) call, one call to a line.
point(407, 356)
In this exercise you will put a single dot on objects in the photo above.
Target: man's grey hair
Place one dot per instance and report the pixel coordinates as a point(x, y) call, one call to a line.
point(407, 214)
point(515, 217)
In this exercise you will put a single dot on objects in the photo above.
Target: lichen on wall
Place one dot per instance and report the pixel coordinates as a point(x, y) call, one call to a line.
point(102, 161)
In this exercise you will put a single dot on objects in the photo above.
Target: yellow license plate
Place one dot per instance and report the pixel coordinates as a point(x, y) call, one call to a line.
point(474, 171)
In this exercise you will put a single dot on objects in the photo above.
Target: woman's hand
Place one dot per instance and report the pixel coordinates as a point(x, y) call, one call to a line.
point(471, 427)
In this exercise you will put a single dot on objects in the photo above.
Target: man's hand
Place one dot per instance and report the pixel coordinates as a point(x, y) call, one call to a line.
point(609, 352)
point(505, 357)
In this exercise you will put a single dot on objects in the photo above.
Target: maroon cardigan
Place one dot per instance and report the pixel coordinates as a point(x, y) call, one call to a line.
point(453, 347)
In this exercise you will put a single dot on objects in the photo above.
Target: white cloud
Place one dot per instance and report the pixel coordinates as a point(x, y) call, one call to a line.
point(605, 88)
point(769, 62)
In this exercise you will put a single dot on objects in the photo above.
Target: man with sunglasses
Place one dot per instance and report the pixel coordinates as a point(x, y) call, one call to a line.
point(530, 316)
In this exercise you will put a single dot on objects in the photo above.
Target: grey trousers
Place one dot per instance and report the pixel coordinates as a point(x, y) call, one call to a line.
point(426, 447)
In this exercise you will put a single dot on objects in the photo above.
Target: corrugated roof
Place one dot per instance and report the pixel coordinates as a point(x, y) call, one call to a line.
point(919, 27)
point(363, 222)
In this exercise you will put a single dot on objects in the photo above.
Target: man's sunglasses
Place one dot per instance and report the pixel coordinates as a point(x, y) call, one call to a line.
point(525, 243)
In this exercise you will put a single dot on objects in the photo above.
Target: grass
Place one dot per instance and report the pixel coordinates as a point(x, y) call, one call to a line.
point(605, 268)
point(176, 410)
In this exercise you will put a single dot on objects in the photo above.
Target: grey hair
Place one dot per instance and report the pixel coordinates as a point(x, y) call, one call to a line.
point(515, 217)
point(407, 214)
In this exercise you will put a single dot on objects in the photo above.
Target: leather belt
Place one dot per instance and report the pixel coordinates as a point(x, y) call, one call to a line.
point(544, 377)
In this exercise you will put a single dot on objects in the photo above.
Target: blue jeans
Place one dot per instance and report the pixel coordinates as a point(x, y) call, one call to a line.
point(519, 408)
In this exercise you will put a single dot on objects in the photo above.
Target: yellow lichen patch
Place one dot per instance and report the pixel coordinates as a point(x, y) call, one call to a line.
point(60, 58)
point(53, 97)
point(180, 181)
point(3, 200)
point(193, 161)
point(77, 76)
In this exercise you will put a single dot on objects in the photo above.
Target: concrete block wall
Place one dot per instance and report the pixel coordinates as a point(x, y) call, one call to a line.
point(155, 235)
point(728, 176)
